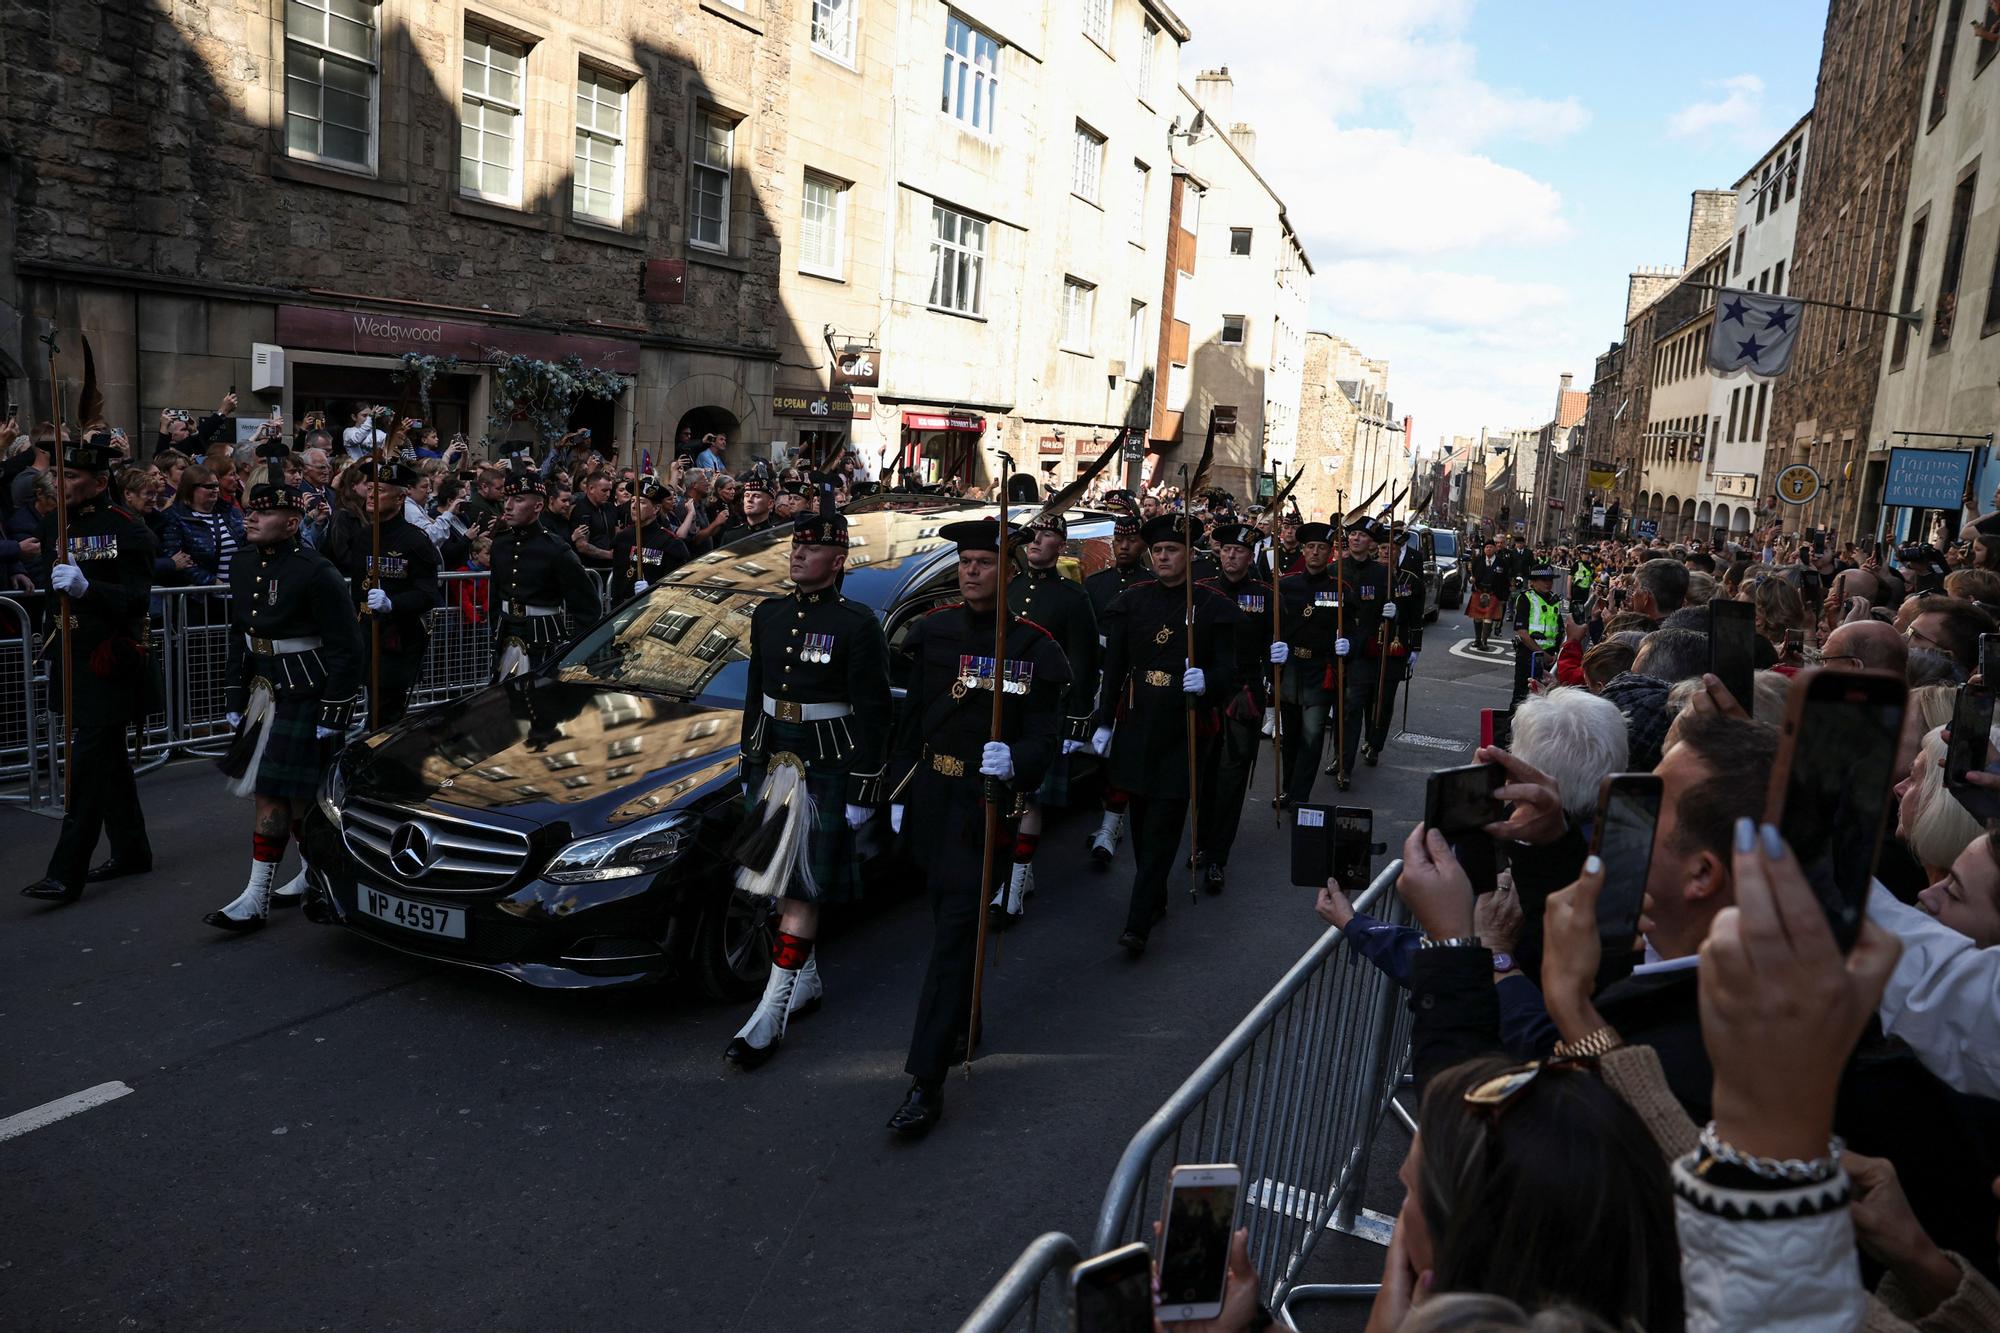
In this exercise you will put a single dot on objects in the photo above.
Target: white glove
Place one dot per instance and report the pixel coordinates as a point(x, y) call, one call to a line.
point(1388, 610)
point(996, 761)
point(1100, 740)
point(1413, 661)
point(378, 600)
point(857, 815)
point(1192, 681)
point(1340, 647)
point(235, 720)
point(1281, 652)
point(640, 585)
point(325, 733)
point(896, 818)
point(1071, 747)
point(69, 579)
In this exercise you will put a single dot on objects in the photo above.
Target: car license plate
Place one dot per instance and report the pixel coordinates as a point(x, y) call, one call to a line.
point(446, 921)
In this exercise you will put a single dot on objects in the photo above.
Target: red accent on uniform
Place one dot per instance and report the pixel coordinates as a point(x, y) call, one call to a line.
point(1115, 799)
point(1024, 847)
point(790, 951)
point(263, 848)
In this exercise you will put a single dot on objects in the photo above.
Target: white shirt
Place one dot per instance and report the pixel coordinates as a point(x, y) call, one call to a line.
point(1943, 996)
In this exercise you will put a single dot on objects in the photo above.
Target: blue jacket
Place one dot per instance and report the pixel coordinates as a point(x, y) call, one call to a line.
point(185, 530)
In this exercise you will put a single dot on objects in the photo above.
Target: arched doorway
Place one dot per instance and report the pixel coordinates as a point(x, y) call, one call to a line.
point(1720, 525)
point(1670, 519)
point(1701, 522)
point(1741, 523)
point(1687, 528)
point(707, 420)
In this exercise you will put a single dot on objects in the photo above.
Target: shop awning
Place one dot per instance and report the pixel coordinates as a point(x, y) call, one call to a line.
point(944, 421)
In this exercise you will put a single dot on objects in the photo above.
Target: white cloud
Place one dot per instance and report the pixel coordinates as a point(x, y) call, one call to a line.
point(1434, 300)
point(1738, 111)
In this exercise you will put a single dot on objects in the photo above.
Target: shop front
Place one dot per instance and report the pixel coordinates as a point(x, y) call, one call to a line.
point(818, 424)
point(940, 447)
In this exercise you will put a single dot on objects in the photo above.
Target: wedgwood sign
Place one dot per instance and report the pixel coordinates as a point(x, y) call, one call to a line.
point(366, 334)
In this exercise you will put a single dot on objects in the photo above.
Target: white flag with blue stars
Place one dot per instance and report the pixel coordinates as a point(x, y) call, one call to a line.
point(1754, 333)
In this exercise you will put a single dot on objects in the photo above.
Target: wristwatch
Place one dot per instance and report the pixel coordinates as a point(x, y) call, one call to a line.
point(1454, 942)
point(1503, 961)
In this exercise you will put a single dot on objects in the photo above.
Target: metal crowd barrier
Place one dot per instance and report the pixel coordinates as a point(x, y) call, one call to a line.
point(1294, 1095)
point(190, 638)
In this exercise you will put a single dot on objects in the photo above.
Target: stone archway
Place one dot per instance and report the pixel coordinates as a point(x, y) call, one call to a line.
point(1686, 529)
point(709, 402)
point(1670, 519)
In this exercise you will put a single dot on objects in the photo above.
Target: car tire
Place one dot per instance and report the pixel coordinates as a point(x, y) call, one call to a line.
point(732, 946)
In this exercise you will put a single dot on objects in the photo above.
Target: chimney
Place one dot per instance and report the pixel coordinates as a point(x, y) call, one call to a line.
point(1245, 139)
point(1216, 92)
point(1568, 379)
point(1711, 221)
point(1648, 284)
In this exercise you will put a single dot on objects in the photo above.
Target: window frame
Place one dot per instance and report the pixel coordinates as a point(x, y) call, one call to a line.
point(837, 270)
point(1137, 347)
point(324, 53)
point(1913, 259)
point(1142, 190)
point(1087, 145)
point(1149, 57)
point(1069, 342)
point(1951, 272)
point(698, 141)
point(1940, 98)
point(1096, 24)
point(984, 83)
point(976, 256)
point(518, 167)
point(1249, 235)
point(849, 10)
point(1242, 337)
point(601, 78)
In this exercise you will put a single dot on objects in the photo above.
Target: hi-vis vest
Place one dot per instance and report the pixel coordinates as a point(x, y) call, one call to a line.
point(1544, 620)
point(1580, 577)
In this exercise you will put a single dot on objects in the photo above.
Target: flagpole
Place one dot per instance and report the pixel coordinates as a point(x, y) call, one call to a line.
point(1913, 317)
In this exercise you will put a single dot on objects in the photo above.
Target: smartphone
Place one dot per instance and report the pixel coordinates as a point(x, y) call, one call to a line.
point(1830, 791)
point(1628, 810)
point(1989, 660)
point(1795, 643)
point(1732, 638)
point(13, 411)
point(1113, 1293)
point(277, 413)
point(1353, 847)
point(1496, 728)
point(1194, 1240)
point(1970, 746)
point(1458, 801)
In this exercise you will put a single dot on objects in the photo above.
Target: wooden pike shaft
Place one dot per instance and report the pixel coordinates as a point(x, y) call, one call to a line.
point(994, 789)
point(62, 598)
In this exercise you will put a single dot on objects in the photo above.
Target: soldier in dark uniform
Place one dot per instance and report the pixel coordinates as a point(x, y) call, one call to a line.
point(1041, 594)
point(1155, 690)
point(636, 565)
point(541, 594)
point(1364, 583)
point(756, 496)
point(791, 501)
point(1284, 554)
point(1225, 771)
point(397, 595)
point(816, 717)
point(944, 741)
point(1128, 567)
point(1399, 639)
point(1308, 643)
point(292, 676)
point(1206, 567)
point(106, 580)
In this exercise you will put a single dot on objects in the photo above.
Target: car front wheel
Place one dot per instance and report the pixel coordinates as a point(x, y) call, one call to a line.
point(732, 948)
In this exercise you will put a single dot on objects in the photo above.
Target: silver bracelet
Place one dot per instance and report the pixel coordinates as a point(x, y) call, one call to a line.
point(1790, 1169)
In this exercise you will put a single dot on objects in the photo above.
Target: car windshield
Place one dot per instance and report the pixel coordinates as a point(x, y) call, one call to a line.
point(1444, 543)
point(683, 639)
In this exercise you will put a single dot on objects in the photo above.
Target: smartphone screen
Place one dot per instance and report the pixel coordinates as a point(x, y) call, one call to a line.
point(1971, 735)
point(1194, 1244)
point(1732, 635)
point(1836, 765)
point(1989, 660)
point(1628, 810)
point(1113, 1293)
point(1460, 800)
point(1353, 847)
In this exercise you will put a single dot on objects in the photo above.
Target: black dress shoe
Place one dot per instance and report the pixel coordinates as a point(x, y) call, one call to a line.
point(747, 1057)
point(1332, 770)
point(52, 890)
point(221, 920)
point(1132, 942)
point(1369, 754)
point(1212, 879)
point(287, 899)
point(1342, 781)
point(114, 869)
point(921, 1108)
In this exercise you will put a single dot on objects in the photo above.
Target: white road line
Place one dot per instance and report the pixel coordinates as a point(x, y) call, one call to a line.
point(61, 1108)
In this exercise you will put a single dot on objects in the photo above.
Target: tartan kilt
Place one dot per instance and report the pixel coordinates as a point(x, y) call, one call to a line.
point(1484, 606)
point(832, 856)
point(1054, 790)
point(294, 757)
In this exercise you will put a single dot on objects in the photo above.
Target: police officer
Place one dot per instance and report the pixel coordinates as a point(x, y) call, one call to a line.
point(541, 594)
point(105, 579)
point(396, 593)
point(1399, 638)
point(1128, 567)
point(1225, 772)
point(1582, 576)
point(292, 676)
point(1366, 603)
point(816, 715)
point(757, 514)
point(635, 564)
point(944, 743)
point(1156, 690)
point(1041, 594)
point(1539, 618)
point(1308, 643)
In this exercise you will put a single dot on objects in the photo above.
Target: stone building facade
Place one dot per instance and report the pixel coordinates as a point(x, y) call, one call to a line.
point(1867, 114)
point(1347, 442)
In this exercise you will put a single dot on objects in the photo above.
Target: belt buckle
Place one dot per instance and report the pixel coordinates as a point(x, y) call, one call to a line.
point(949, 765)
point(518, 610)
point(1158, 679)
point(1305, 653)
point(261, 647)
point(789, 711)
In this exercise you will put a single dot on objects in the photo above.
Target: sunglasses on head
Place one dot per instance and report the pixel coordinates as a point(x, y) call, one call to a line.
point(1493, 1096)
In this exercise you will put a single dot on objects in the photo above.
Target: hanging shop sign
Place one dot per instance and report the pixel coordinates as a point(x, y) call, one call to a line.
point(1926, 478)
point(944, 421)
point(366, 333)
point(1797, 484)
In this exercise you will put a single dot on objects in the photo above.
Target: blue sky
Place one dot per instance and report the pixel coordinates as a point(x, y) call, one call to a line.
point(1474, 179)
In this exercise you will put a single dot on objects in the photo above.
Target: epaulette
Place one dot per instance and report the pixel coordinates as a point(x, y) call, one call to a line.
point(947, 606)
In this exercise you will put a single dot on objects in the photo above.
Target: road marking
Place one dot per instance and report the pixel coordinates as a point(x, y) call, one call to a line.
point(1302, 1205)
point(1431, 742)
point(1497, 654)
point(61, 1108)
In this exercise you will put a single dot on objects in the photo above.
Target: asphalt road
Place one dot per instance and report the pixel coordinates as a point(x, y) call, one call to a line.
point(320, 1134)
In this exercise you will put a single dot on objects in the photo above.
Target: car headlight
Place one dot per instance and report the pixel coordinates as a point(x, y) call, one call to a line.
point(333, 794)
point(650, 845)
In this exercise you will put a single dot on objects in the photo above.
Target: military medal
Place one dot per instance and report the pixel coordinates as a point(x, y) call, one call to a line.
point(1164, 635)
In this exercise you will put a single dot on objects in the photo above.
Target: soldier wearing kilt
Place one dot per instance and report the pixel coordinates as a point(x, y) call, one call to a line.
point(399, 591)
point(816, 718)
point(944, 741)
point(636, 565)
point(541, 593)
point(1128, 567)
point(1155, 692)
point(1226, 767)
point(107, 576)
point(292, 675)
point(1041, 595)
